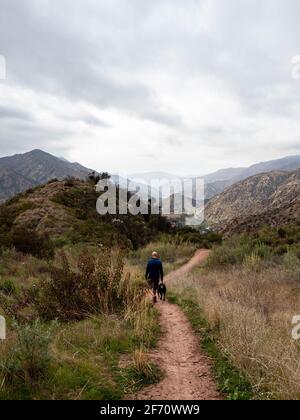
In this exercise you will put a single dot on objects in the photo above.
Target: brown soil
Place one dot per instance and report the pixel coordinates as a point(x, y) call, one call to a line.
point(187, 371)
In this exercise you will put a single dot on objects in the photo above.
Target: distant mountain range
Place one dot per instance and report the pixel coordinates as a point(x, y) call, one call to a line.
point(217, 182)
point(21, 172)
point(227, 195)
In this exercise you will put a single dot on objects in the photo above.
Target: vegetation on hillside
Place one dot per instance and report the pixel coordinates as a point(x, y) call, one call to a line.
point(65, 212)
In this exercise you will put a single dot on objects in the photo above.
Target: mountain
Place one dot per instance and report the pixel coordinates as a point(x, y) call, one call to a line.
point(12, 183)
point(223, 175)
point(215, 188)
point(288, 164)
point(217, 182)
point(259, 196)
point(23, 171)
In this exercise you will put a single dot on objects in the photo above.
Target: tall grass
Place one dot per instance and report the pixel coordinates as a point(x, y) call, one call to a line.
point(95, 285)
point(27, 360)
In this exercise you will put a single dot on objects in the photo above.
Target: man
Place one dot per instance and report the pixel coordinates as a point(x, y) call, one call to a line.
point(154, 274)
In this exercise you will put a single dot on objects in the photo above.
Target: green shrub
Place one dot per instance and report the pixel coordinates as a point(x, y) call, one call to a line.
point(8, 287)
point(262, 250)
point(95, 285)
point(70, 182)
point(291, 261)
point(202, 239)
point(220, 257)
point(28, 360)
point(29, 241)
point(252, 262)
point(265, 244)
point(280, 250)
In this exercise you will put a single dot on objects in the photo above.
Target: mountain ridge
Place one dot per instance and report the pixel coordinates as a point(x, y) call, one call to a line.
point(20, 172)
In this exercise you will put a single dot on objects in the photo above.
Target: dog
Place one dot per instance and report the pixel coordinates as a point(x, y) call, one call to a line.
point(162, 291)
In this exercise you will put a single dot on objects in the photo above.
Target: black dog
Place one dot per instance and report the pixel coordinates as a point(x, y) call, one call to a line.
point(162, 291)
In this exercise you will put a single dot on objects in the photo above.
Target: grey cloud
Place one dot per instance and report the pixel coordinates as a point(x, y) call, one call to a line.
point(94, 121)
point(13, 113)
point(48, 50)
point(24, 136)
point(174, 141)
point(99, 51)
point(164, 118)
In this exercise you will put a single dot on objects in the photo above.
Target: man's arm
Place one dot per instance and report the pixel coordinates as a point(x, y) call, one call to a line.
point(161, 272)
point(147, 271)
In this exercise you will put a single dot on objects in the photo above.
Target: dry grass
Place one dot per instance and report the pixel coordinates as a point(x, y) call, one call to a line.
point(252, 307)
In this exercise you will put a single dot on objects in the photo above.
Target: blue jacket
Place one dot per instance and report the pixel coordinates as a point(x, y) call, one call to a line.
point(154, 270)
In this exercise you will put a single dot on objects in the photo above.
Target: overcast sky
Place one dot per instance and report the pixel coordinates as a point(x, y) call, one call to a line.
point(185, 86)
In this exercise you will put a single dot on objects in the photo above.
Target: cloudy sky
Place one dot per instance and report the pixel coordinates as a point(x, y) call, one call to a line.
point(185, 86)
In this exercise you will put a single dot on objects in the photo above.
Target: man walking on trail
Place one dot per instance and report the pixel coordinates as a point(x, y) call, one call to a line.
point(154, 274)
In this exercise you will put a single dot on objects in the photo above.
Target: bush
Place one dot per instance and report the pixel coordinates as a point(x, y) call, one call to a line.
point(29, 241)
point(28, 359)
point(252, 262)
point(202, 239)
point(8, 287)
point(291, 262)
point(95, 285)
point(233, 251)
point(70, 182)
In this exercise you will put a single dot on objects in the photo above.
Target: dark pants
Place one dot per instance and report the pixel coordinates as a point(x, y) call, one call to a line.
point(153, 284)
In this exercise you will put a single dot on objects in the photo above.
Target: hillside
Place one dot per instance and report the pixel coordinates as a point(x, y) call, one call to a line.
point(23, 171)
point(65, 211)
point(288, 214)
point(269, 198)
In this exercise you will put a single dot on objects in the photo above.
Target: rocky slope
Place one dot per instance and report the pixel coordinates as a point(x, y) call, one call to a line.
point(288, 214)
point(269, 198)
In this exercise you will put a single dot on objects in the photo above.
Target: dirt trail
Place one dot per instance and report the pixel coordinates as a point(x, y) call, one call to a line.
point(187, 370)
